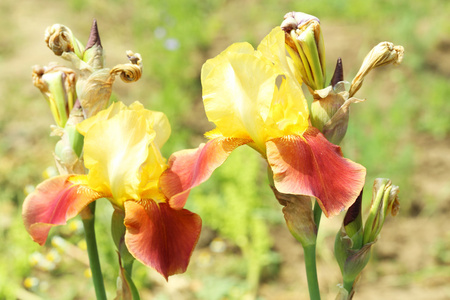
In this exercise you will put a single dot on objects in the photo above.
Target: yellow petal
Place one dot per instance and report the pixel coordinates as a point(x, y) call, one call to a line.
point(237, 94)
point(105, 114)
point(115, 150)
point(156, 121)
point(288, 113)
point(235, 48)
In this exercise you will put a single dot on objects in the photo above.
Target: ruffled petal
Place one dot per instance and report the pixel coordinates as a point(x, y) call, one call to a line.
point(310, 165)
point(114, 151)
point(156, 121)
point(55, 201)
point(237, 94)
point(189, 168)
point(161, 237)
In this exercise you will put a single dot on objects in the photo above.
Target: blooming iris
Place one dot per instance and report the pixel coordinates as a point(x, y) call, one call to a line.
point(254, 97)
point(122, 153)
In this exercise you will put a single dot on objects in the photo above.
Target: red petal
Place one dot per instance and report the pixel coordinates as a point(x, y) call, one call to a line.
point(310, 165)
point(161, 237)
point(54, 201)
point(189, 168)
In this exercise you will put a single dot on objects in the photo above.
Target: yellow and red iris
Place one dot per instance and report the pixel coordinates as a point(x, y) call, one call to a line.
point(122, 153)
point(254, 97)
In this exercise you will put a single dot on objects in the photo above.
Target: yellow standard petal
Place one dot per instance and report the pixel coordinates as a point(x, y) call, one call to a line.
point(115, 150)
point(156, 121)
point(237, 94)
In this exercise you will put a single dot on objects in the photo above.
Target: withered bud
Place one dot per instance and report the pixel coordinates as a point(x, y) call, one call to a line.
point(382, 54)
point(94, 90)
point(298, 215)
point(60, 39)
point(129, 72)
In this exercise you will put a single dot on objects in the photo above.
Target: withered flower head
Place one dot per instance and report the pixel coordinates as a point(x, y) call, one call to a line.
point(60, 39)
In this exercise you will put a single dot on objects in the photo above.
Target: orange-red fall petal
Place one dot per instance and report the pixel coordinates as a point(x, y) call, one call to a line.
point(161, 237)
point(310, 165)
point(189, 168)
point(54, 201)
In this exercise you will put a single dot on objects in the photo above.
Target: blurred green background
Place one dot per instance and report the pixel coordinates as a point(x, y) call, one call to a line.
point(401, 132)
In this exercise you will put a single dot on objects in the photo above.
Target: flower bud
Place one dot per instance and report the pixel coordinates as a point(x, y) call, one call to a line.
point(353, 242)
point(382, 54)
point(349, 251)
point(60, 39)
point(330, 108)
point(384, 201)
point(305, 45)
point(57, 84)
point(93, 55)
point(68, 150)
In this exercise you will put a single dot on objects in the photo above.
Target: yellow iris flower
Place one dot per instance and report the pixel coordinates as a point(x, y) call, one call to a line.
point(122, 153)
point(254, 97)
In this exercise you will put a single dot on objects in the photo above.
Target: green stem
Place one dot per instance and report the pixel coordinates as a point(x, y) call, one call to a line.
point(348, 285)
point(94, 261)
point(128, 271)
point(317, 214)
point(311, 272)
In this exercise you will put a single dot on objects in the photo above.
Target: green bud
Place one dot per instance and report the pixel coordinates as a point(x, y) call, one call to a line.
point(348, 247)
point(330, 109)
point(384, 201)
point(304, 41)
point(57, 84)
point(353, 243)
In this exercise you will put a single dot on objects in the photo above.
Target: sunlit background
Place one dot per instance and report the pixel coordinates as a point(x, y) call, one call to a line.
point(401, 132)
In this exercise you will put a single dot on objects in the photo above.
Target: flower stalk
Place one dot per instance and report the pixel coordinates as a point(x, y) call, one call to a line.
point(94, 261)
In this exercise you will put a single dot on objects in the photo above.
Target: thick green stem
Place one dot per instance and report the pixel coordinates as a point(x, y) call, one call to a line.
point(128, 271)
point(94, 261)
point(311, 272)
point(348, 285)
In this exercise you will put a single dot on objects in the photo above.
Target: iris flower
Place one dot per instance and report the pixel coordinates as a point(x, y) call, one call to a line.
point(254, 98)
point(122, 153)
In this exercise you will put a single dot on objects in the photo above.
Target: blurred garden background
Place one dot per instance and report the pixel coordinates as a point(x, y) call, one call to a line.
point(402, 132)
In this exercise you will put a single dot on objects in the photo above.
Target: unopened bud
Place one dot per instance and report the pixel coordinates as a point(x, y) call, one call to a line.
point(57, 84)
point(305, 45)
point(384, 201)
point(348, 247)
point(93, 55)
point(382, 54)
point(330, 111)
